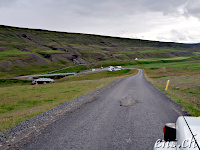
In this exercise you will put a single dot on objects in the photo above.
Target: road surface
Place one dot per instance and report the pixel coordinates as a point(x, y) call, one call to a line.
point(128, 116)
point(30, 77)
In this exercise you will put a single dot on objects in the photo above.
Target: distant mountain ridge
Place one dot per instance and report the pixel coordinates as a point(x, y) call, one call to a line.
point(25, 51)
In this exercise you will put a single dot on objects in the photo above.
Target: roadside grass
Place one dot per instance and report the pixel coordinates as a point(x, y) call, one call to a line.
point(184, 83)
point(189, 102)
point(14, 40)
point(18, 103)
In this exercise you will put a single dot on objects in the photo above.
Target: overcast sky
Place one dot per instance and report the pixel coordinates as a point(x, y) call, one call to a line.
point(161, 20)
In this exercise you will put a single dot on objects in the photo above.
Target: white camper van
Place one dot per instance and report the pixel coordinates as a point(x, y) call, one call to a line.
point(111, 68)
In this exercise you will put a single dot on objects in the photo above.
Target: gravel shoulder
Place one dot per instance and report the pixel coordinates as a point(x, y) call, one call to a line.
point(130, 115)
point(27, 130)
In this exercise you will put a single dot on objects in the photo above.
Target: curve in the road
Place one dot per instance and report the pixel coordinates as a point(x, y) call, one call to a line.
point(130, 115)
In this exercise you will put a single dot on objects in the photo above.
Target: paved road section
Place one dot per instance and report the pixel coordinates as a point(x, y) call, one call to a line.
point(30, 77)
point(128, 116)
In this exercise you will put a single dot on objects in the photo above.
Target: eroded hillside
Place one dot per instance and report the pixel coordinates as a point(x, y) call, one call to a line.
point(27, 51)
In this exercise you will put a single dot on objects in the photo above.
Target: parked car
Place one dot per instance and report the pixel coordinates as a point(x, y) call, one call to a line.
point(119, 67)
point(111, 68)
point(182, 135)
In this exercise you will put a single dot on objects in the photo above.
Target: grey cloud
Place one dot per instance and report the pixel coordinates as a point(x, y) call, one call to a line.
point(131, 6)
point(105, 17)
point(104, 8)
point(6, 3)
point(101, 9)
point(166, 6)
point(192, 8)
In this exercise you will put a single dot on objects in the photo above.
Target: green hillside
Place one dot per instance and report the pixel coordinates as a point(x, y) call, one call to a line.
point(28, 51)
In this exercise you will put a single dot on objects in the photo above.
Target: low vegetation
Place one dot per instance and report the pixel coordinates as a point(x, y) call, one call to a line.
point(13, 82)
point(27, 51)
point(20, 102)
point(184, 84)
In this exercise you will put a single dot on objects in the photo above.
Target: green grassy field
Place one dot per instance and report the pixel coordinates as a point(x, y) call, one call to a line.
point(184, 84)
point(27, 51)
point(22, 101)
point(161, 59)
point(51, 52)
point(76, 69)
point(11, 52)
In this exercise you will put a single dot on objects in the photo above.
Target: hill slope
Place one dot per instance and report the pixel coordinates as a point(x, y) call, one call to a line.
point(27, 51)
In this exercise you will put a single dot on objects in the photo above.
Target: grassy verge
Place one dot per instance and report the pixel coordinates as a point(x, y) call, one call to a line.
point(184, 84)
point(18, 103)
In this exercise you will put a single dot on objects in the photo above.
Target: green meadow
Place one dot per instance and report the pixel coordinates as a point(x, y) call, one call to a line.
point(27, 51)
point(22, 100)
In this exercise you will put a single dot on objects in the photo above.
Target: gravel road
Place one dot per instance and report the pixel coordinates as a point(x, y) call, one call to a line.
point(128, 116)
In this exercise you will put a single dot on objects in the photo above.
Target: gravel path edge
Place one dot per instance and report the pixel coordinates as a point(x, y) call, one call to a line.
point(25, 131)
